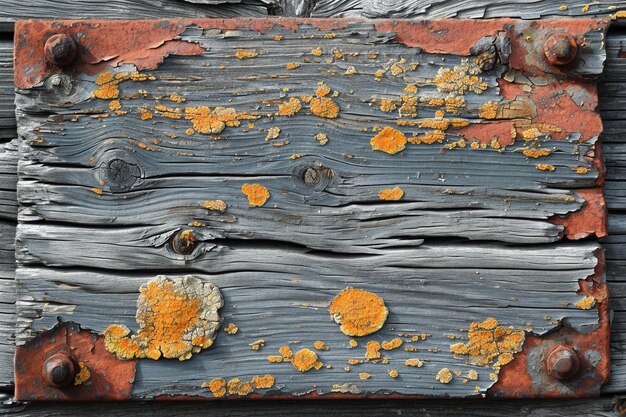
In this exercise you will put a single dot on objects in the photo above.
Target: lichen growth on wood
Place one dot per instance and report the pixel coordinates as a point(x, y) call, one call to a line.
point(176, 317)
point(215, 205)
point(256, 193)
point(305, 359)
point(82, 375)
point(586, 303)
point(414, 362)
point(391, 194)
point(444, 376)
point(389, 140)
point(231, 329)
point(358, 312)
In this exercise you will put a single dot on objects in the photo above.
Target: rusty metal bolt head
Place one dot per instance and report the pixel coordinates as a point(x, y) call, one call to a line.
point(59, 370)
point(183, 242)
point(560, 49)
point(60, 49)
point(563, 363)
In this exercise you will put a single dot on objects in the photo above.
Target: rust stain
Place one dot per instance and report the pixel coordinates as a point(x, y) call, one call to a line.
point(106, 378)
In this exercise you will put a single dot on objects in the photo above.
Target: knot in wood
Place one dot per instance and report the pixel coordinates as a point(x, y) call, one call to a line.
point(60, 49)
point(59, 370)
point(183, 242)
point(119, 175)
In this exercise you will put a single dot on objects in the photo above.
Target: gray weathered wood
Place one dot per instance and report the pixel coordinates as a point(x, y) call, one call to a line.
point(7, 95)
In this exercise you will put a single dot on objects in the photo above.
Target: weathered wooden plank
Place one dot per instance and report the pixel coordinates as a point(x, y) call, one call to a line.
point(601, 407)
point(482, 9)
point(8, 128)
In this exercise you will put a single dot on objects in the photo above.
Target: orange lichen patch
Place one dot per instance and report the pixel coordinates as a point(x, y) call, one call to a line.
point(293, 65)
point(495, 144)
point(305, 359)
point(472, 374)
point(364, 375)
point(393, 373)
point(489, 110)
point(263, 382)
point(82, 375)
point(272, 133)
point(257, 345)
point(409, 105)
point(428, 138)
point(320, 345)
point(176, 98)
point(115, 105)
point(145, 115)
point(392, 344)
point(107, 91)
point(414, 362)
point(396, 68)
point(586, 303)
point(231, 328)
point(109, 83)
point(245, 54)
point(454, 104)
point(322, 89)
point(372, 350)
point(290, 107)
point(387, 105)
point(354, 361)
point(256, 193)
point(274, 358)
point(168, 112)
point(217, 387)
point(531, 134)
point(208, 121)
point(176, 319)
point(285, 352)
point(460, 79)
point(353, 343)
point(535, 153)
point(391, 194)
point(97, 191)
point(389, 140)
point(581, 170)
point(317, 51)
point(488, 342)
point(444, 376)
point(358, 312)
point(322, 138)
point(324, 107)
point(545, 167)
point(238, 387)
point(215, 205)
point(379, 74)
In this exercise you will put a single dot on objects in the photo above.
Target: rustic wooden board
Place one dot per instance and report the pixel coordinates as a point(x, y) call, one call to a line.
point(8, 126)
point(278, 266)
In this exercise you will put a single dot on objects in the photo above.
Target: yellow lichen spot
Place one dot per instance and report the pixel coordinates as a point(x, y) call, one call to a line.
point(353, 361)
point(257, 345)
point(409, 105)
point(238, 387)
point(387, 105)
point(96, 190)
point(107, 91)
point(379, 74)
point(320, 345)
point(582, 170)
point(245, 54)
point(372, 55)
point(472, 374)
point(305, 359)
point(176, 98)
point(115, 105)
point(585, 8)
point(389, 140)
point(346, 369)
point(391, 194)
point(460, 79)
point(317, 51)
point(146, 115)
point(364, 375)
point(410, 88)
point(444, 376)
point(82, 375)
point(414, 362)
point(393, 373)
point(289, 108)
point(324, 107)
point(256, 193)
point(168, 112)
point(293, 65)
point(428, 138)
point(493, 377)
point(489, 110)
point(176, 319)
point(231, 328)
point(278, 38)
point(392, 344)
point(322, 138)
point(104, 78)
point(372, 350)
point(495, 144)
point(272, 133)
point(190, 131)
point(488, 342)
point(337, 53)
point(545, 167)
point(274, 358)
point(215, 205)
point(535, 153)
point(358, 312)
point(322, 89)
point(531, 134)
point(563, 8)
point(285, 352)
point(396, 68)
point(475, 145)
point(217, 387)
point(353, 343)
point(586, 303)
point(263, 382)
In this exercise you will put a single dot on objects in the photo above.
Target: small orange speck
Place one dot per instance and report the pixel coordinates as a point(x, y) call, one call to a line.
point(256, 193)
point(238, 387)
point(353, 343)
point(257, 345)
point(293, 65)
point(391, 194)
point(317, 51)
point(115, 105)
point(286, 352)
point(274, 358)
point(278, 38)
point(582, 170)
point(387, 105)
point(290, 107)
point(393, 373)
point(82, 375)
point(414, 362)
point(364, 375)
point(389, 140)
point(97, 191)
point(545, 167)
point(190, 131)
point(215, 205)
point(146, 115)
point(245, 54)
point(320, 345)
point(586, 303)
point(392, 344)
point(535, 153)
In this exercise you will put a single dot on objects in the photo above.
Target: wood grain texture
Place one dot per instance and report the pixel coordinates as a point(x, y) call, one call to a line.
point(8, 126)
point(483, 9)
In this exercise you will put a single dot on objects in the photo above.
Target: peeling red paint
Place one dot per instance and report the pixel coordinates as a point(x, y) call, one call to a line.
point(110, 378)
point(591, 219)
point(485, 132)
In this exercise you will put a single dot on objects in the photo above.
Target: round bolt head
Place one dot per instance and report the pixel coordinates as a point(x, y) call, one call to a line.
point(59, 370)
point(60, 49)
point(560, 49)
point(563, 363)
point(183, 242)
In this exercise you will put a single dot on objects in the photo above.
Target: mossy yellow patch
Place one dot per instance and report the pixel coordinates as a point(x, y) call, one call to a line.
point(263, 382)
point(320, 345)
point(293, 65)
point(387, 105)
point(256, 193)
point(305, 359)
point(391, 194)
point(488, 110)
point(317, 51)
point(388, 140)
point(364, 375)
point(358, 312)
